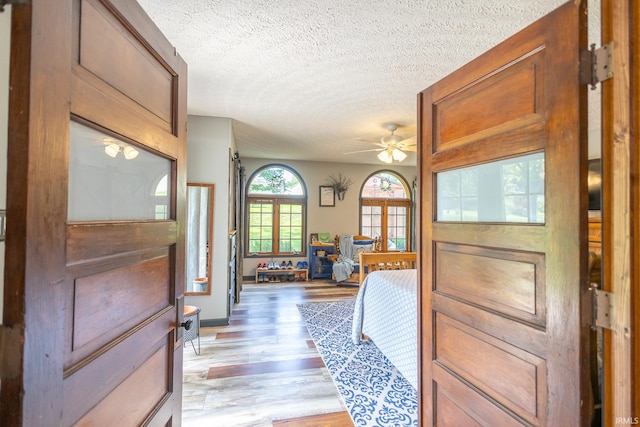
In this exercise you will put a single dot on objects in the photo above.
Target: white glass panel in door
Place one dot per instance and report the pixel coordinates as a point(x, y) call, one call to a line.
point(509, 190)
point(110, 179)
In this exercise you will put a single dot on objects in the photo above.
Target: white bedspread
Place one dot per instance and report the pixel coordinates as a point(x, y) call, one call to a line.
point(386, 311)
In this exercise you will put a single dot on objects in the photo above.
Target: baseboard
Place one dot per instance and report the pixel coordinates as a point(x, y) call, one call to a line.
point(214, 322)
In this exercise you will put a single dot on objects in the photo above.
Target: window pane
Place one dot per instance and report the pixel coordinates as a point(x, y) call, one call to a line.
point(505, 191)
point(384, 185)
point(260, 227)
point(396, 228)
point(372, 221)
point(276, 180)
point(110, 179)
point(290, 228)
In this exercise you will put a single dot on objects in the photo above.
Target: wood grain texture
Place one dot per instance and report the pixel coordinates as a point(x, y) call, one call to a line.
point(619, 154)
point(129, 237)
point(92, 271)
point(135, 397)
point(477, 410)
point(517, 283)
point(635, 196)
point(485, 106)
point(335, 419)
point(149, 84)
point(108, 304)
point(508, 282)
point(513, 377)
point(38, 134)
point(265, 367)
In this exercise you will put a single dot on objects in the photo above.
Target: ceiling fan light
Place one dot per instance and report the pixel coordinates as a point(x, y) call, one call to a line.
point(111, 149)
point(385, 156)
point(130, 152)
point(398, 155)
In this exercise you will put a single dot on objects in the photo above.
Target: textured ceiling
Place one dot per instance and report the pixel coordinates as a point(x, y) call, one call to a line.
point(304, 79)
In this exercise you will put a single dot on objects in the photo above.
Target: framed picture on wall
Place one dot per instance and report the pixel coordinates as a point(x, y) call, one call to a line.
point(327, 196)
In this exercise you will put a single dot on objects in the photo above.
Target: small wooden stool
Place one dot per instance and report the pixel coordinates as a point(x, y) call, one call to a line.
point(191, 312)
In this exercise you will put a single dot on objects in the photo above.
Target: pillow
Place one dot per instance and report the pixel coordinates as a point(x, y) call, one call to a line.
point(362, 242)
point(358, 249)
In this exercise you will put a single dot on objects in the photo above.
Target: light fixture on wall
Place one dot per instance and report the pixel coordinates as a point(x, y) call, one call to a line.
point(112, 149)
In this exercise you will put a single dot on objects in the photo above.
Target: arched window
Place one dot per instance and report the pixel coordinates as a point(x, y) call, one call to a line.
point(277, 202)
point(385, 210)
point(162, 199)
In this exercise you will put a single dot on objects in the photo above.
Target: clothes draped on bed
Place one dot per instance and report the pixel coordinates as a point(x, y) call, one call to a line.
point(386, 311)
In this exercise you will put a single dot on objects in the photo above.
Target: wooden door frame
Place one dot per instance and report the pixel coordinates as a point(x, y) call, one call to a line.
point(38, 131)
point(621, 210)
point(635, 202)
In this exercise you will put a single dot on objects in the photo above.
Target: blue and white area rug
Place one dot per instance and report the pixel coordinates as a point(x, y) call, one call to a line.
point(375, 393)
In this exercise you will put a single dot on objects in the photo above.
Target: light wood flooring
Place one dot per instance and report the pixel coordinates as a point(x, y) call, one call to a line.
point(263, 368)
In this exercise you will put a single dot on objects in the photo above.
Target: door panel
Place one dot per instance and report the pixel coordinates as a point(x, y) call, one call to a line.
point(104, 341)
point(499, 301)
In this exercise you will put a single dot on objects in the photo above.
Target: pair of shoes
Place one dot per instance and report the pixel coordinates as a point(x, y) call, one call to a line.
point(263, 278)
point(304, 264)
point(273, 265)
point(262, 265)
point(289, 265)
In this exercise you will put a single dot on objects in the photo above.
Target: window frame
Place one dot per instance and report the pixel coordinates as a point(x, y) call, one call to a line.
point(385, 203)
point(276, 200)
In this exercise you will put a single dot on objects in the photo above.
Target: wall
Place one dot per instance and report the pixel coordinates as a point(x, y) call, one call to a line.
point(5, 39)
point(208, 142)
point(341, 219)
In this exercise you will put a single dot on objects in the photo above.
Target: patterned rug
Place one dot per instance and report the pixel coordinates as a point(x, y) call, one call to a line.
point(375, 393)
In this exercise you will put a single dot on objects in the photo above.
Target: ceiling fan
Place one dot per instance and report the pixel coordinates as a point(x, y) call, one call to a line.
point(393, 146)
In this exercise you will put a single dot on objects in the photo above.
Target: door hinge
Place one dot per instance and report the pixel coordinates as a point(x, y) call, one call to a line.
point(3, 3)
point(601, 307)
point(596, 65)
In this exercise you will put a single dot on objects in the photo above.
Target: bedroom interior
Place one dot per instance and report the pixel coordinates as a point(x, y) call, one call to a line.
point(217, 289)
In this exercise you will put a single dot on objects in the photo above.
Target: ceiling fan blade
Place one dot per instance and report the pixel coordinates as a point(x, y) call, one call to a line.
point(364, 151)
point(371, 141)
point(407, 142)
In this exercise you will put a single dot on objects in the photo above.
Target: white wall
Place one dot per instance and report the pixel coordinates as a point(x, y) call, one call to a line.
point(5, 36)
point(341, 219)
point(208, 142)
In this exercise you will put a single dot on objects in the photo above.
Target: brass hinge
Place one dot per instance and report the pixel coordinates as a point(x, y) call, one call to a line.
point(3, 3)
point(596, 65)
point(601, 308)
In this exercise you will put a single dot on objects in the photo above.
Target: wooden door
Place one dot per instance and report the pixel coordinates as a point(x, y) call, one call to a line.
point(95, 252)
point(503, 249)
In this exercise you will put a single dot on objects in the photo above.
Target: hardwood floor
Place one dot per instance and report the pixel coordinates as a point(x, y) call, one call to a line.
point(263, 368)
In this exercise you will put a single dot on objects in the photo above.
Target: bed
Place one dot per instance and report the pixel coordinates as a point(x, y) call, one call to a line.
point(386, 313)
